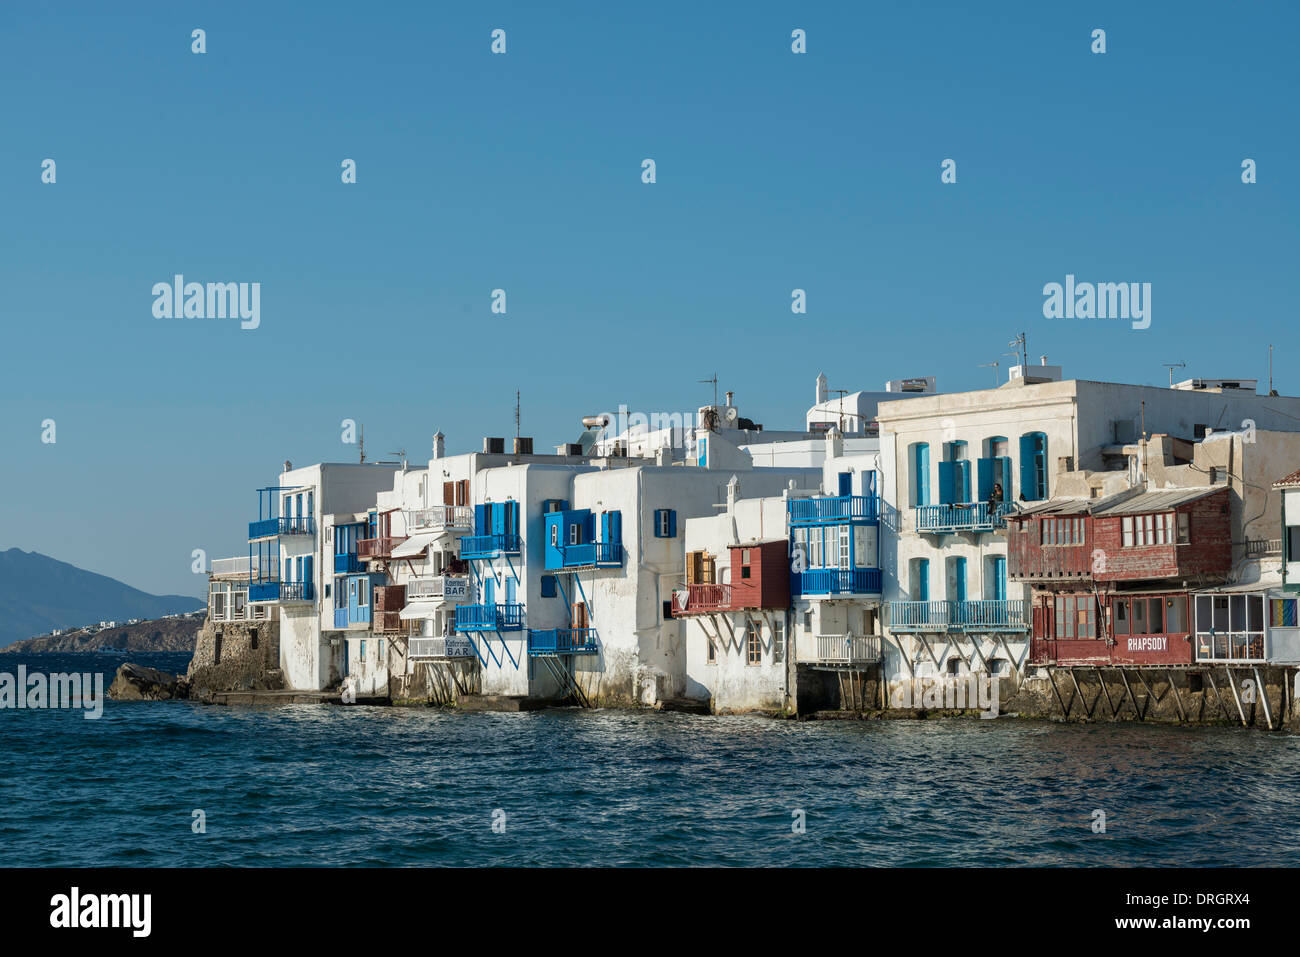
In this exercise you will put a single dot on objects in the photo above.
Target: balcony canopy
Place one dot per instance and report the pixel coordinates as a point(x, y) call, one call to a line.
point(418, 609)
point(414, 545)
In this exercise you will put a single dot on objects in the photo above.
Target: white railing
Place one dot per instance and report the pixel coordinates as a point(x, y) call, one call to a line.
point(440, 648)
point(440, 516)
point(450, 587)
point(848, 649)
point(246, 565)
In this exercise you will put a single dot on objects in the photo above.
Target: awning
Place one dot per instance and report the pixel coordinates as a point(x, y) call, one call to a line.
point(418, 609)
point(414, 545)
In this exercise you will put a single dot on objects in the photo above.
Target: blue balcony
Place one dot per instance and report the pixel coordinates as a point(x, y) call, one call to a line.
point(346, 617)
point(281, 591)
point(994, 614)
point(972, 517)
point(489, 546)
point(284, 525)
point(586, 555)
point(835, 510)
point(489, 617)
point(562, 641)
point(348, 563)
point(836, 581)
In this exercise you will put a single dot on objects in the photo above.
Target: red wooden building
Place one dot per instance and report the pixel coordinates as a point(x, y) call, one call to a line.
point(1112, 577)
point(760, 578)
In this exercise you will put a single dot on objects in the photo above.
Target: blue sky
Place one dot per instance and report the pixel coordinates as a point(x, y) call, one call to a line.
point(523, 171)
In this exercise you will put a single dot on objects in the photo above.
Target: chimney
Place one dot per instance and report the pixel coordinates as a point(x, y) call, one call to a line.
point(729, 395)
point(288, 466)
point(733, 493)
point(663, 456)
point(822, 392)
point(439, 445)
point(834, 443)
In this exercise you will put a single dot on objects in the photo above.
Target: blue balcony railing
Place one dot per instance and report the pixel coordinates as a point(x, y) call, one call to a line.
point(972, 517)
point(345, 617)
point(281, 591)
point(599, 554)
point(489, 546)
point(834, 509)
point(562, 641)
point(836, 581)
point(992, 614)
point(284, 525)
point(348, 563)
point(489, 617)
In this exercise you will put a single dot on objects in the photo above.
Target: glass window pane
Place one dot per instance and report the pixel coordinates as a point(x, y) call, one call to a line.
point(1176, 616)
point(1157, 609)
point(1255, 613)
point(1140, 617)
point(1121, 617)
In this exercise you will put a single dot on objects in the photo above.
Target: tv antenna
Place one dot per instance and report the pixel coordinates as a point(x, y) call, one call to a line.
point(1171, 366)
point(1271, 390)
point(714, 380)
point(361, 444)
point(516, 413)
point(1021, 344)
point(994, 364)
point(841, 393)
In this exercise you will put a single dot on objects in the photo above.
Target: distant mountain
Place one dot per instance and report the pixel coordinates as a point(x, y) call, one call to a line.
point(39, 593)
point(162, 634)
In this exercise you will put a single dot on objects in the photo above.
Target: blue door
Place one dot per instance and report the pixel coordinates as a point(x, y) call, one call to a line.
point(959, 574)
point(489, 591)
point(922, 470)
point(922, 583)
point(846, 483)
point(1000, 578)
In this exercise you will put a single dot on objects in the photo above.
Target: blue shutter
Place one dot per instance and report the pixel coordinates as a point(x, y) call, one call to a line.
point(923, 474)
point(489, 591)
point(846, 483)
point(1033, 467)
point(1000, 578)
point(480, 520)
point(947, 482)
point(1002, 475)
point(923, 574)
point(672, 523)
point(548, 586)
point(984, 478)
point(605, 527)
point(616, 526)
point(959, 566)
point(307, 568)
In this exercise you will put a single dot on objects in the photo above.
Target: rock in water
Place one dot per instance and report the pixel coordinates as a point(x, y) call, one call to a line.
point(138, 683)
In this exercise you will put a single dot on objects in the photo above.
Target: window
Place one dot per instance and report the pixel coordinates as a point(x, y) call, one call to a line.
point(548, 587)
point(807, 621)
point(846, 553)
point(744, 562)
point(573, 534)
point(1121, 617)
point(1176, 615)
point(1033, 466)
point(754, 644)
point(363, 648)
point(920, 461)
point(1127, 524)
point(555, 536)
point(665, 523)
point(1184, 528)
point(778, 640)
point(712, 653)
point(668, 611)
point(379, 647)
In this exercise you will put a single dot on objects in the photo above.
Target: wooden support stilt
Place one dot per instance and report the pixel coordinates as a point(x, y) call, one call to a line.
point(1235, 697)
point(1065, 711)
point(1131, 696)
point(937, 666)
point(1178, 701)
point(1218, 695)
point(1087, 711)
point(1263, 696)
point(1101, 678)
point(1151, 693)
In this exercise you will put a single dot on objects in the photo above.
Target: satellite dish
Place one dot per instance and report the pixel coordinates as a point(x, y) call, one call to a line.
point(732, 412)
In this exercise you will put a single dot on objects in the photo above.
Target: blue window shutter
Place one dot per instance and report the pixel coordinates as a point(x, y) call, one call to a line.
point(616, 526)
point(1033, 467)
point(1002, 475)
point(846, 483)
point(1000, 578)
point(984, 478)
point(480, 520)
point(960, 569)
point(923, 474)
point(923, 573)
point(548, 586)
point(672, 523)
point(947, 483)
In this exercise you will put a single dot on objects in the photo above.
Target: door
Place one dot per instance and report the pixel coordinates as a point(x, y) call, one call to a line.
point(579, 615)
point(846, 483)
point(448, 493)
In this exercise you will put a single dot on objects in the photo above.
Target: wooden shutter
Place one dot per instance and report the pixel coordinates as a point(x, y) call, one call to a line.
point(449, 493)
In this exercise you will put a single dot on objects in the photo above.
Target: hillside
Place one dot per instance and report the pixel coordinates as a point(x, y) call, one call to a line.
point(39, 594)
point(163, 634)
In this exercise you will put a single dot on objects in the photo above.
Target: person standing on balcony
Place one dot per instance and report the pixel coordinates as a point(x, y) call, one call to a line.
point(995, 499)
